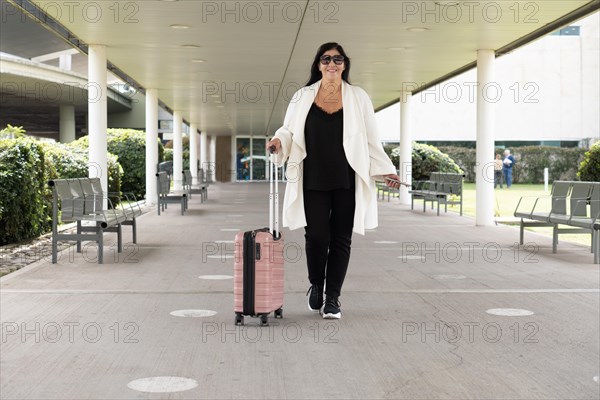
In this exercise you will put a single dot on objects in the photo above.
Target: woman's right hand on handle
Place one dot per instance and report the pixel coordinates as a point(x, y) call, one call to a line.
point(273, 146)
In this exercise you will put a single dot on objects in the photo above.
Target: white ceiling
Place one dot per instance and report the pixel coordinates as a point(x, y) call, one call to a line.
point(253, 52)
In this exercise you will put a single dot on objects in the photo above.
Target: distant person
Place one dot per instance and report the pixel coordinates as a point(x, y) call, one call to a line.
point(498, 171)
point(507, 167)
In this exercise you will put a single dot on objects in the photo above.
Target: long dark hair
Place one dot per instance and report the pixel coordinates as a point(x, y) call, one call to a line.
point(315, 74)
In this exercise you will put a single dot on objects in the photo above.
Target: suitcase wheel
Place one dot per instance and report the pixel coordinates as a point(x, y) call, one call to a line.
point(239, 319)
point(279, 313)
point(264, 320)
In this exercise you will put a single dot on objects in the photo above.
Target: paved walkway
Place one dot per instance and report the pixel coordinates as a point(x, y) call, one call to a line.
point(416, 323)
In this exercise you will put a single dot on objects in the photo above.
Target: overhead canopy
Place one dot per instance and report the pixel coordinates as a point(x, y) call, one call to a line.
point(231, 67)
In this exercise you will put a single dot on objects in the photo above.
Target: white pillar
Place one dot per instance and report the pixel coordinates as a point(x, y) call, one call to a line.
point(177, 150)
point(194, 152)
point(204, 153)
point(405, 146)
point(64, 62)
point(151, 145)
point(213, 159)
point(98, 120)
point(67, 123)
point(484, 170)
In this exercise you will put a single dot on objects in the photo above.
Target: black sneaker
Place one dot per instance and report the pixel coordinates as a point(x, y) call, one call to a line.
point(331, 308)
point(315, 297)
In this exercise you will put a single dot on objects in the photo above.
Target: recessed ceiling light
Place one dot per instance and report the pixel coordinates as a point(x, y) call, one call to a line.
point(397, 48)
point(198, 60)
point(379, 62)
point(169, 1)
point(417, 29)
point(447, 3)
point(179, 26)
point(190, 46)
point(215, 95)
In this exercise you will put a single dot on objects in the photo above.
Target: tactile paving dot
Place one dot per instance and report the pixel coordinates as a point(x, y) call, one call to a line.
point(162, 384)
point(509, 312)
point(215, 277)
point(193, 313)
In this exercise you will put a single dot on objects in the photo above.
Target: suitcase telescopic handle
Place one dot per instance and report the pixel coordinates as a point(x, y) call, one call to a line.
point(273, 195)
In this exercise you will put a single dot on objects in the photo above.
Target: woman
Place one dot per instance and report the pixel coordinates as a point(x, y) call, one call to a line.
point(329, 138)
point(498, 171)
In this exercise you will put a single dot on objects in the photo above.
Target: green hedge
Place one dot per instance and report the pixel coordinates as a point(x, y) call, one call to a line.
point(185, 144)
point(25, 199)
point(71, 161)
point(562, 163)
point(130, 148)
point(589, 169)
point(26, 166)
point(425, 160)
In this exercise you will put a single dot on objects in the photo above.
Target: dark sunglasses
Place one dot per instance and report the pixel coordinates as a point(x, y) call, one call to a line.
point(337, 59)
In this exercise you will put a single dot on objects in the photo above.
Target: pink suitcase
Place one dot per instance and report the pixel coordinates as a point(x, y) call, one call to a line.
point(258, 268)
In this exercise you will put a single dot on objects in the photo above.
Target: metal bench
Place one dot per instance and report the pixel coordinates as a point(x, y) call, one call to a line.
point(188, 185)
point(570, 203)
point(76, 206)
point(165, 195)
point(131, 210)
point(385, 189)
point(442, 187)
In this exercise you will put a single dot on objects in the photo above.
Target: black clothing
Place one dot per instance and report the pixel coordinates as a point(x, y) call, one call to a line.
point(325, 165)
point(328, 234)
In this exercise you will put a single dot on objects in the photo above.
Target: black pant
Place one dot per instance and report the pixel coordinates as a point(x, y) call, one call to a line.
point(498, 178)
point(330, 219)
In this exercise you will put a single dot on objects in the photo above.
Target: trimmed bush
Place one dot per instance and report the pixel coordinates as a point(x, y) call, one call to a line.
point(12, 132)
point(425, 160)
point(185, 144)
point(25, 199)
point(130, 148)
point(589, 169)
point(71, 161)
point(168, 155)
point(562, 163)
point(530, 162)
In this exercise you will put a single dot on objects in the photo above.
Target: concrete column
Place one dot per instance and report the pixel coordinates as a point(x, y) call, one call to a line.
point(204, 153)
point(64, 62)
point(484, 170)
point(98, 119)
point(405, 146)
point(194, 152)
point(177, 150)
point(67, 123)
point(151, 145)
point(213, 159)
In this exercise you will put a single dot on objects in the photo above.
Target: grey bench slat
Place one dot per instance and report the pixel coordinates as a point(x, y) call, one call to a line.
point(165, 195)
point(573, 204)
point(78, 204)
point(441, 188)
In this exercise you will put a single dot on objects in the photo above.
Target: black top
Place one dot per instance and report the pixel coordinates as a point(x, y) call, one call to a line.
point(325, 165)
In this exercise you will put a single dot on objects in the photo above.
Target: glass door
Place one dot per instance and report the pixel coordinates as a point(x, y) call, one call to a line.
point(251, 159)
point(259, 160)
point(242, 157)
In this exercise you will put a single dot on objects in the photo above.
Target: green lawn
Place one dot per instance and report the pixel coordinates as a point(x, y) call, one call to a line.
point(506, 202)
